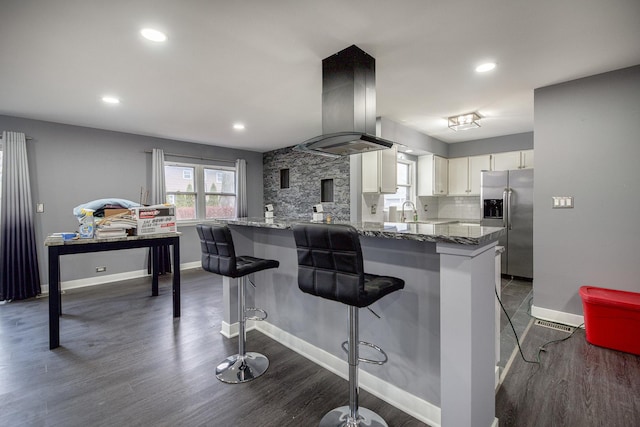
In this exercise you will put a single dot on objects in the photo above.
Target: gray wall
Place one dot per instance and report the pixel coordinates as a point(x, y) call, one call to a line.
point(499, 144)
point(305, 174)
point(411, 138)
point(587, 146)
point(71, 165)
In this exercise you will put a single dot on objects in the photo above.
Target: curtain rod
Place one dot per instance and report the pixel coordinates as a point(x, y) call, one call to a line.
point(28, 138)
point(186, 156)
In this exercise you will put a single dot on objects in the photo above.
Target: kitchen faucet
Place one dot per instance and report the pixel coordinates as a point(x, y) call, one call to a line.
point(415, 213)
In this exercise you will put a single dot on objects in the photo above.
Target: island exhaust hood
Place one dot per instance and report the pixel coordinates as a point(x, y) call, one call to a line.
point(348, 106)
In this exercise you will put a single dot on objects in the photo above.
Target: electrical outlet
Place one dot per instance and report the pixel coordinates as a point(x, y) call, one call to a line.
point(101, 269)
point(373, 209)
point(40, 208)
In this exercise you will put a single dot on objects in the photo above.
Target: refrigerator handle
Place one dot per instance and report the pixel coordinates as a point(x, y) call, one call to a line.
point(505, 208)
point(509, 192)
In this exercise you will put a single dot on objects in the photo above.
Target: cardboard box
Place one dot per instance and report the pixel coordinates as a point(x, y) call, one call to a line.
point(157, 219)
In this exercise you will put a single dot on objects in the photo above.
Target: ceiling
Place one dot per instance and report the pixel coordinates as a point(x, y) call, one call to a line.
point(259, 62)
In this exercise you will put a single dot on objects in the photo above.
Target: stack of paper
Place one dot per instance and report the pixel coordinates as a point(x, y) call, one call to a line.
point(114, 226)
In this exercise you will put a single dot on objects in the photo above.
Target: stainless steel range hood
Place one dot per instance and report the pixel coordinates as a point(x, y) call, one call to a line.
point(348, 106)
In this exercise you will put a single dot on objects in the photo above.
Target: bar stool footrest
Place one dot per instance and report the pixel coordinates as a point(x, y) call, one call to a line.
point(255, 310)
point(373, 346)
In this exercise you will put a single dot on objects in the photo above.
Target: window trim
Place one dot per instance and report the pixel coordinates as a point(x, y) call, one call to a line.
point(198, 183)
point(412, 182)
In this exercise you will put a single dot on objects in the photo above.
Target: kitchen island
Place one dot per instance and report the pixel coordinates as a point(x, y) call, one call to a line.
point(438, 331)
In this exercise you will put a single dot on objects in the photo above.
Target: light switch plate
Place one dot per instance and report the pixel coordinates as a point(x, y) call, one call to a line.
point(40, 208)
point(562, 202)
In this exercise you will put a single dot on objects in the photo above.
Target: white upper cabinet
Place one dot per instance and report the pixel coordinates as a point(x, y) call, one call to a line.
point(512, 160)
point(464, 174)
point(526, 159)
point(477, 164)
point(379, 171)
point(441, 173)
point(505, 161)
point(459, 176)
point(432, 175)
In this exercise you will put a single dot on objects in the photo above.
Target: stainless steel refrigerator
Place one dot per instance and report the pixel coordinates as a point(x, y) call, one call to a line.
point(506, 200)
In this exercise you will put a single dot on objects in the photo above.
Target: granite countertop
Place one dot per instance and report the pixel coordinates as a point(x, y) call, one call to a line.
point(445, 233)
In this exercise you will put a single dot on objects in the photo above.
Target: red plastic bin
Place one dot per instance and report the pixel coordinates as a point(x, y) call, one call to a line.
point(612, 318)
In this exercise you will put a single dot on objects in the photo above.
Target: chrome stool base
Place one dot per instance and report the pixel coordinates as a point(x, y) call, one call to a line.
point(236, 370)
point(340, 417)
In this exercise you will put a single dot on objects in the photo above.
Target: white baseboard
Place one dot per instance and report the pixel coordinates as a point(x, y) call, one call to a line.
point(401, 399)
point(109, 278)
point(557, 316)
point(232, 330)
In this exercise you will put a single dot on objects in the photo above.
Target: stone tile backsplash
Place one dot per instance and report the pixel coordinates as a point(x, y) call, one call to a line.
point(306, 172)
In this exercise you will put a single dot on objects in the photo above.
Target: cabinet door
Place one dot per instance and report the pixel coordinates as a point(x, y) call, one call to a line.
point(425, 175)
point(379, 171)
point(459, 176)
point(506, 161)
point(441, 172)
point(370, 173)
point(388, 163)
point(527, 159)
point(477, 164)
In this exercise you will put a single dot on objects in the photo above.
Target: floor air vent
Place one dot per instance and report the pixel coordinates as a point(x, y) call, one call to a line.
point(553, 325)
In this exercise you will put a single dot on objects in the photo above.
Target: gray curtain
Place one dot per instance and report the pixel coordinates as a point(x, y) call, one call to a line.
point(158, 196)
point(19, 273)
point(241, 188)
point(158, 189)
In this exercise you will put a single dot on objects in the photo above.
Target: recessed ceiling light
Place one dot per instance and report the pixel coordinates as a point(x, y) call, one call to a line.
point(110, 100)
point(153, 35)
point(409, 151)
point(238, 126)
point(487, 66)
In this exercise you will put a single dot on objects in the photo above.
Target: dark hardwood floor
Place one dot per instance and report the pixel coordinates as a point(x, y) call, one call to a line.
point(576, 385)
point(124, 361)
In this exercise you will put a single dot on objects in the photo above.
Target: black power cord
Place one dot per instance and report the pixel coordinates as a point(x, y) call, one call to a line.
point(543, 346)
point(537, 362)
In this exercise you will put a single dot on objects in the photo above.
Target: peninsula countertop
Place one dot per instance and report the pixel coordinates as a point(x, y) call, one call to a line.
point(456, 233)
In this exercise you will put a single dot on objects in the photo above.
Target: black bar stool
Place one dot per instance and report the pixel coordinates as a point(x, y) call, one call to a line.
point(219, 256)
point(330, 266)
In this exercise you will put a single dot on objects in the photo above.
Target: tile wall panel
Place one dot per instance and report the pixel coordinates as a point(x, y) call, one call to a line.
point(306, 172)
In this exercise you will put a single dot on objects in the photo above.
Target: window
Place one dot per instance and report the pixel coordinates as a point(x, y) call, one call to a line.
point(405, 185)
point(201, 191)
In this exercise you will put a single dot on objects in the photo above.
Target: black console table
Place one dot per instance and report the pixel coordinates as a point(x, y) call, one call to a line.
point(82, 246)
